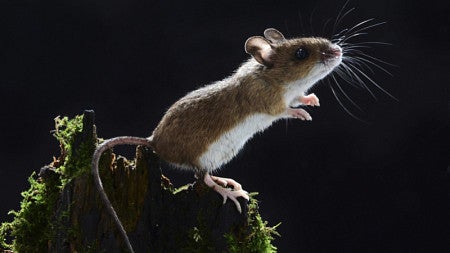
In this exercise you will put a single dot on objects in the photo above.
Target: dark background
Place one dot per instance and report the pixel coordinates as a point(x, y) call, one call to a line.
point(336, 184)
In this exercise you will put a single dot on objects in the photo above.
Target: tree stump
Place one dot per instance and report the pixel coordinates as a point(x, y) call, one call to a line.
point(157, 216)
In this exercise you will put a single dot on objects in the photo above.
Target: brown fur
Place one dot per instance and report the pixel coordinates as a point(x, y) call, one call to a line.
point(202, 116)
point(286, 67)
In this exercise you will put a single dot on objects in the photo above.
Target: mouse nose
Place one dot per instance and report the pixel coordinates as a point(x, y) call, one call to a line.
point(334, 51)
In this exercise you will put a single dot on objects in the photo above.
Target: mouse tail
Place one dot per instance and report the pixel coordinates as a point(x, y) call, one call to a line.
point(108, 144)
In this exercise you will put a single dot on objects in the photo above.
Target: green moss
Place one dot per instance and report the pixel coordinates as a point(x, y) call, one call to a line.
point(256, 237)
point(199, 236)
point(180, 189)
point(75, 160)
point(252, 236)
point(198, 241)
point(34, 224)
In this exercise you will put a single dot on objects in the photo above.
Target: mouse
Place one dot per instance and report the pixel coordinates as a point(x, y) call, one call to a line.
point(208, 127)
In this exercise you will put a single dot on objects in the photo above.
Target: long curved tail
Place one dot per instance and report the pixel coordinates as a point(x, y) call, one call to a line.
point(108, 144)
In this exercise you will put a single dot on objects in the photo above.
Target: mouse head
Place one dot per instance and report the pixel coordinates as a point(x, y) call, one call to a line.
point(294, 59)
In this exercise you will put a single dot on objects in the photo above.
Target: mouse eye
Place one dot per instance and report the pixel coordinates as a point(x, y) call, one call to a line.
point(301, 53)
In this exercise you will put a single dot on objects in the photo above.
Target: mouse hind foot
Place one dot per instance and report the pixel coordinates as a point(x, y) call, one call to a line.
point(227, 182)
point(219, 184)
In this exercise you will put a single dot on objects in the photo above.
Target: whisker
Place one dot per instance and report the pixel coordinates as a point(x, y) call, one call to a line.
point(339, 34)
point(346, 48)
point(343, 106)
point(356, 64)
point(353, 35)
point(346, 77)
point(362, 56)
point(377, 59)
point(369, 26)
point(360, 81)
point(344, 93)
point(360, 24)
point(376, 84)
point(302, 26)
point(339, 18)
point(361, 64)
point(349, 51)
point(346, 13)
point(337, 41)
point(368, 42)
point(350, 48)
point(344, 69)
point(325, 25)
point(311, 19)
point(358, 58)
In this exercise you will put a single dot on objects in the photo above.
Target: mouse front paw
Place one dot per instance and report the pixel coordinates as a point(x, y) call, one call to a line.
point(299, 113)
point(310, 99)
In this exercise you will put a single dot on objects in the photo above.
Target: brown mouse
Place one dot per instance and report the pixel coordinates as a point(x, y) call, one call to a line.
point(207, 128)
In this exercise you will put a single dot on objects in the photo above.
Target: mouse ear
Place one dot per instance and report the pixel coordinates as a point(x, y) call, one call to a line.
point(260, 48)
point(273, 35)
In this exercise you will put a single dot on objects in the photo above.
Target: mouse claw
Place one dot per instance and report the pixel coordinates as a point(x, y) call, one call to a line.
point(234, 195)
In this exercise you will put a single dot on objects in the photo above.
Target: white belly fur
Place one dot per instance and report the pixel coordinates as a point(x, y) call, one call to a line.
point(230, 143)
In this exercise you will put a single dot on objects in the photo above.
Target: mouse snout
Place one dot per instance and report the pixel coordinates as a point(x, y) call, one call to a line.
point(333, 52)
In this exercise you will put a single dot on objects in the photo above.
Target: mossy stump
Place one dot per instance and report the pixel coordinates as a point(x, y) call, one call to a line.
point(157, 216)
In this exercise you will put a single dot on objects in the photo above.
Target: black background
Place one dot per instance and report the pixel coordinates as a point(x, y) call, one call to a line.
point(336, 184)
